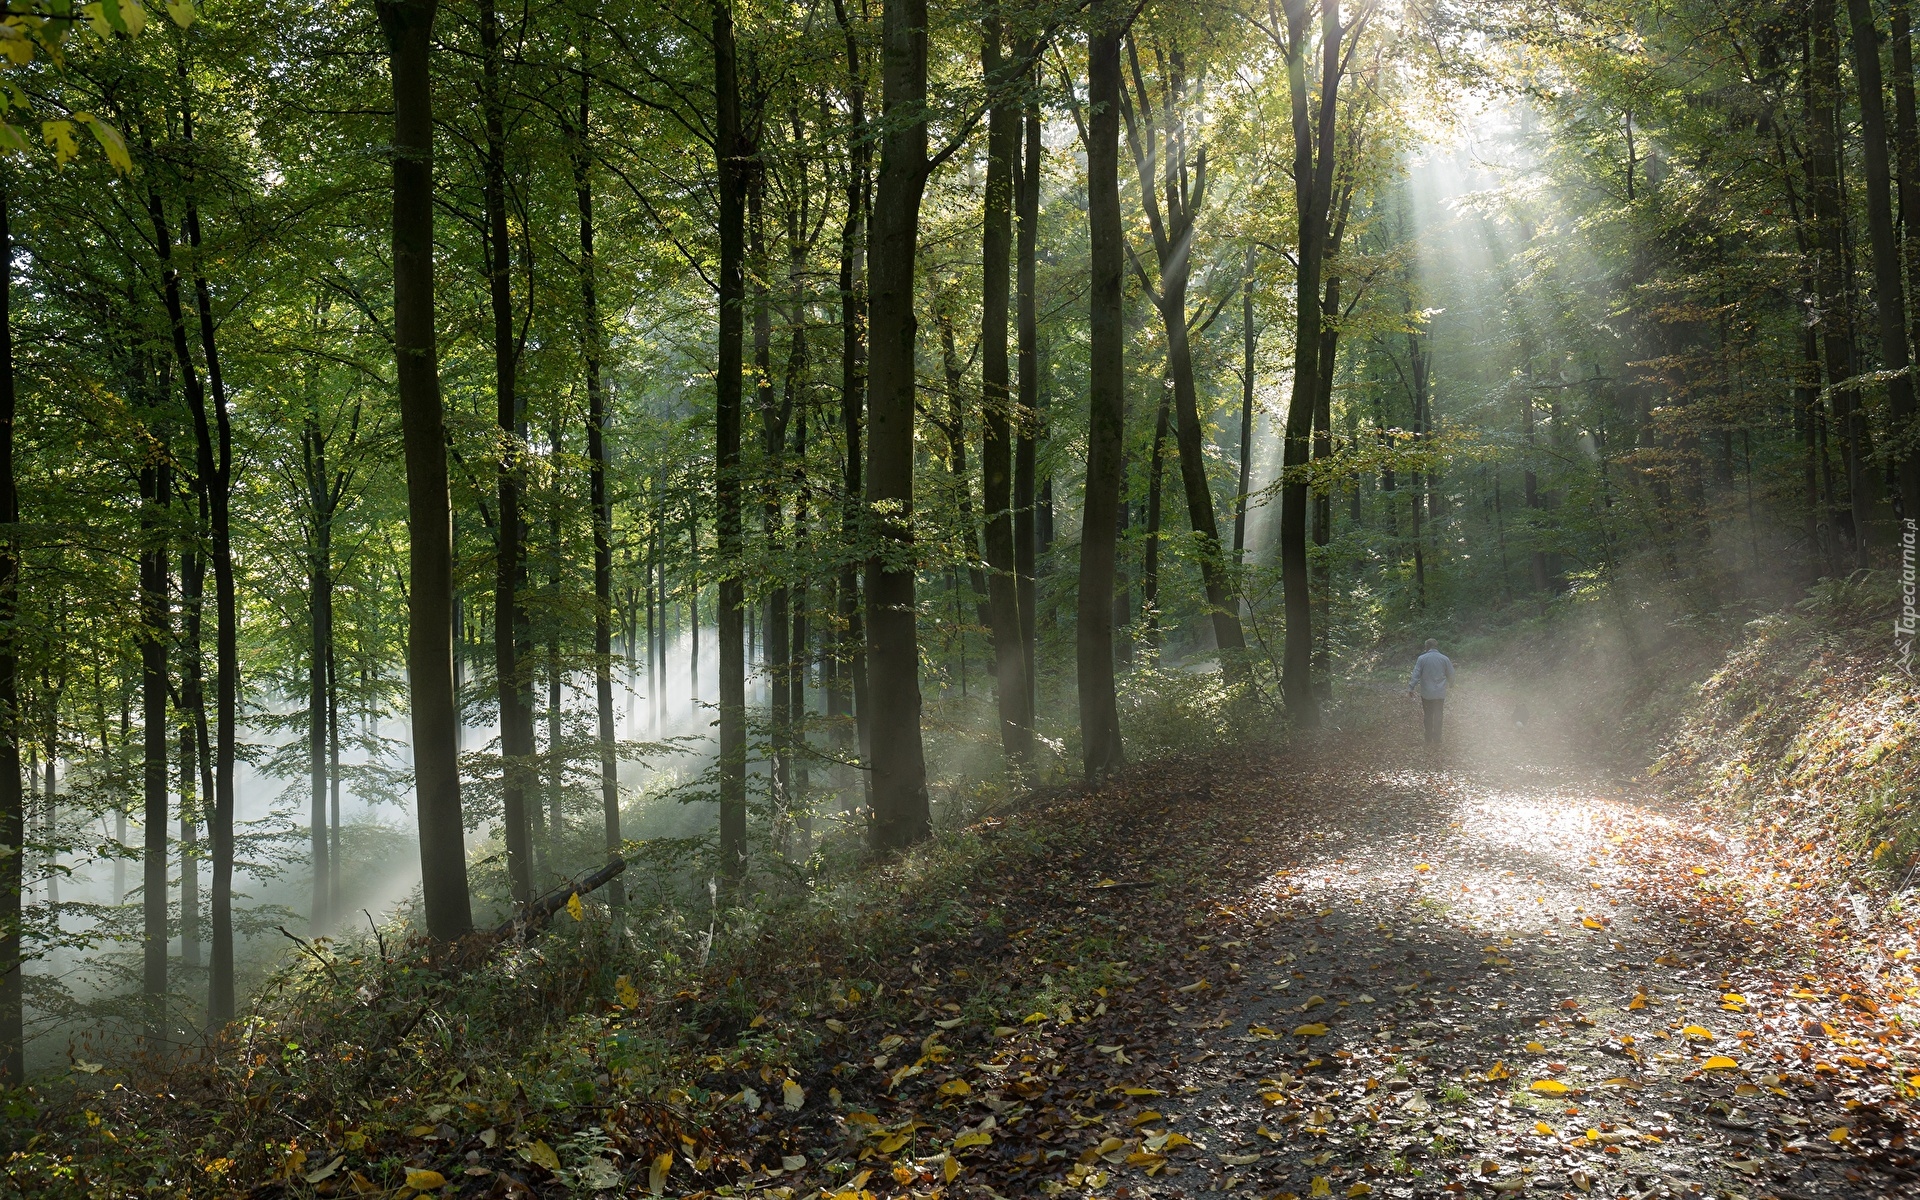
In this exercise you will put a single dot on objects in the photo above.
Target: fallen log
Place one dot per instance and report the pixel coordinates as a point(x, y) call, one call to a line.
point(540, 911)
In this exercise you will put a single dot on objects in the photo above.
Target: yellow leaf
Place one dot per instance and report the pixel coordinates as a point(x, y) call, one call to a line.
point(1719, 1062)
point(182, 12)
point(1108, 1145)
point(859, 1181)
point(956, 1087)
point(1195, 986)
point(626, 993)
point(1143, 1091)
point(1360, 1189)
point(979, 1137)
point(1700, 1032)
point(657, 1177)
point(1146, 1118)
point(793, 1095)
point(541, 1155)
point(1497, 1071)
point(1840, 1134)
point(425, 1181)
point(575, 909)
point(1312, 1030)
point(1423, 866)
point(1142, 1158)
point(1548, 1087)
point(950, 1168)
point(1320, 1187)
point(1263, 1131)
point(1543, 1129)
point(893, 1141)
point(1590, 923)
point(59, 135)
point(1639, 1001)
point(1536, 1048)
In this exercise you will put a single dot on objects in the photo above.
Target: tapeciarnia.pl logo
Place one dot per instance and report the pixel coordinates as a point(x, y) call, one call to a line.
point(1909, 619)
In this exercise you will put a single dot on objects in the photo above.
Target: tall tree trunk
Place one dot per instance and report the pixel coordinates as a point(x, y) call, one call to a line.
point(958, 473)
point(852, 653)
point(556, 670)
point(408, 28)
point(997, 417)
point(1835, 317)
point(510, 622)
point(215, 454)
point(13, 822)
point(1150, 558)
point(1248, 340)
point(773, 442)
point(1907, 143)
point(1313, 164)
point(733, 155)
point(1322, 498)
point(156, 488)
point(193, 587)
point(901, 812)
point(592, 339)
point(1101, 750)
point(320, 623)
point(1163, 164)
point(1026, 204)
point(1888, 282)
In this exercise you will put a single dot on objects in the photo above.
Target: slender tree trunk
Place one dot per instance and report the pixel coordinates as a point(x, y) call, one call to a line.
point(408, 28)
point(773, 441)
point(1313, 164)
point(997, 415)
point(1150, 559)
point(13, 823)
point(1026, 205)
point(1248, 340)
point(1101, 750)
point(1888, 282)
point(226, 656)
point(156, 487)
point(556, 669)
point(1171, 216)
point(852, 653)
point(901, 812)
point(510, 623)
point(1907, 143)
point(1822, 91)
point(733, 155)
point(591, 341)
point(320, 627)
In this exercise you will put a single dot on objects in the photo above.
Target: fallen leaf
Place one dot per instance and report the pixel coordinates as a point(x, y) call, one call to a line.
point(1548, 1087)
point(1320, 1187)
point(577, 910)
point(793, 1095)
point(1697, 1033)
point(1312, 1030)
point(427, 1181)
point(541, 1155)
point(956, 1087)
point(327, 1171)
point(1719, 1062)
point(979, 1137)
point(1497, 1071)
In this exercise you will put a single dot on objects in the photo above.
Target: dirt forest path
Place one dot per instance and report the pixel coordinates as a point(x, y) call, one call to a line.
point(1380, 971)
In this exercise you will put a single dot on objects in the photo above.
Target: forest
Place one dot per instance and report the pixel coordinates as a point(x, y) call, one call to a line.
point(575, 580)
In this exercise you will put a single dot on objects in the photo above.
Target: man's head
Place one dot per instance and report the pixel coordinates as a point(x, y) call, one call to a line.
point(1433, 643)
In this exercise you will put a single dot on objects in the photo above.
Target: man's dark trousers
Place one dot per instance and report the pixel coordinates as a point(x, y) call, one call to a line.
point(1433, 710)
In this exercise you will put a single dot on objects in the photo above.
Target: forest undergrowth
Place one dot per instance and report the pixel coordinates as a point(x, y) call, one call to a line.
point(1511, 967)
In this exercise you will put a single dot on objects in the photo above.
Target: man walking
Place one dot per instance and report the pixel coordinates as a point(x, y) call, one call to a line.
point(1432, 672)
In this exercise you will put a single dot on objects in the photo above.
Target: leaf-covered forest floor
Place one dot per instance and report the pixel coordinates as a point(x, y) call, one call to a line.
point(1383, 970)
point(1374, 969)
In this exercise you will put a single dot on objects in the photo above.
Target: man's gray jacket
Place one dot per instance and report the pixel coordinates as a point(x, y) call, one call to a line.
point(1432, 672)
